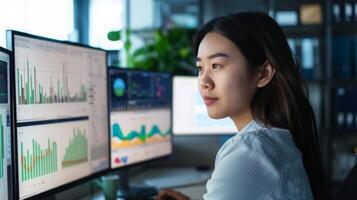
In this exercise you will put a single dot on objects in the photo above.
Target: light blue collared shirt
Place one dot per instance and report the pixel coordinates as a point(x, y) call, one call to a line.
point(259, 163)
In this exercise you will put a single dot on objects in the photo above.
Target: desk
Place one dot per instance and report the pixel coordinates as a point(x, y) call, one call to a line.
point(194, 190)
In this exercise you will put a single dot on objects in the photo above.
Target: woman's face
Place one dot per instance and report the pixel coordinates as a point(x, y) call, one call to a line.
point(224, 82)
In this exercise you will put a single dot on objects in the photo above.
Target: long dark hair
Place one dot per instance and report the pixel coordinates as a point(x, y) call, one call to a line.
point(283, 102)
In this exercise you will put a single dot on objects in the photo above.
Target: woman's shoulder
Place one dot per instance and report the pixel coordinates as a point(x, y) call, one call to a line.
point(269, 138)
point(259, 164)
point(274, 143)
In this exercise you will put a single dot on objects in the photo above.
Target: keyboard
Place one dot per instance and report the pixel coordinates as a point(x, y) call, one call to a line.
point(176, 177)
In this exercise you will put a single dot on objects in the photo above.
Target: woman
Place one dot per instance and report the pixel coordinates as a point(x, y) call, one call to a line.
point(247, 72)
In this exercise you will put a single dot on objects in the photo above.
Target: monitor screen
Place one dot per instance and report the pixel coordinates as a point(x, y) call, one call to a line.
point(140, 116)
point(189, 111)
point(61, 112)
point(4, 121)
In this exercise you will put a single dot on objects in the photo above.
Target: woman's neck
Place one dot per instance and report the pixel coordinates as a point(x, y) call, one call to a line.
point(242, 119)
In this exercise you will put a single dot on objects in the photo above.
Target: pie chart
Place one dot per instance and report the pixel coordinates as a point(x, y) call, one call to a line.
point(119, 87)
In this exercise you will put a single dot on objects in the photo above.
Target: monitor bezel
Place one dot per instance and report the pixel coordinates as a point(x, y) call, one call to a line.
point(16, 183)
point(117, 169)
point(192, 134)
point(10, 76)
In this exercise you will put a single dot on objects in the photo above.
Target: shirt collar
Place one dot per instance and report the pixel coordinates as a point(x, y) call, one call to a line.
point(251, 126)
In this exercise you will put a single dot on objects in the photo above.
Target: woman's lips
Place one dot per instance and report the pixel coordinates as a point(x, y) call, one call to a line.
point(209, 100)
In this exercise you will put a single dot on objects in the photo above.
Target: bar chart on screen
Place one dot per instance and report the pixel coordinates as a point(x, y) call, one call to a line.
point(5, 123)
point(32, 91)
point(77, 150)
point(61, 112)
point(3, 161)
point(41, 161)
point(50, 84)
point(47, 150)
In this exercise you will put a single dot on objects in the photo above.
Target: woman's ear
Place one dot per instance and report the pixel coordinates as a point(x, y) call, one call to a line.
point(266, 73)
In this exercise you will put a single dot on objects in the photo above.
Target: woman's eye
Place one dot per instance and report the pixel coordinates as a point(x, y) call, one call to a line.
point(199, 68)
point(216, 66)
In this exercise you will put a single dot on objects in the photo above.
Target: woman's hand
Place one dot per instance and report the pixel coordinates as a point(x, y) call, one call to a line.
point(169, 194)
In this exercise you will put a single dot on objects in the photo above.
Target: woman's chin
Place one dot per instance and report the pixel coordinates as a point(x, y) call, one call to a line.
point(216, 115)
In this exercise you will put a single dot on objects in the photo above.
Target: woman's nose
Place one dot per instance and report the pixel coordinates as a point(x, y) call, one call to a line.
point(206, 82)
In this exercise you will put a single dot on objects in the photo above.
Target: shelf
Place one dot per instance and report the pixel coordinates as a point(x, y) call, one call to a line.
point(330, 82)
point(345, 29)
point(303, 31)
point(343, 82)
point(316, 81)
point(344, 134)
point(326, 32)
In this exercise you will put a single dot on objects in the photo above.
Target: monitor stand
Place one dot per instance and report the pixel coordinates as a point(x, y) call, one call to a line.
point(127, 192)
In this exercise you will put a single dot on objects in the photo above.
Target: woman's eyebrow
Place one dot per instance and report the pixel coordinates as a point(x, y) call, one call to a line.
point(215, 55)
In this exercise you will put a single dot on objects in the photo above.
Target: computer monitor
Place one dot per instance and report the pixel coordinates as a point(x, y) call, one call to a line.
point(61, 113)
point(5, 122)
point(190, 115)
point(140, 116)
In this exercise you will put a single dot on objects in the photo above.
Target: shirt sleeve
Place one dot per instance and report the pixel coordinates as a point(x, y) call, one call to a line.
point(243, 171)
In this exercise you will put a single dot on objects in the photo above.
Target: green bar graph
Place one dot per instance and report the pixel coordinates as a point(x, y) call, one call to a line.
point(2, 147)
point(39, 162)
point(77, 150)
point(30, 90)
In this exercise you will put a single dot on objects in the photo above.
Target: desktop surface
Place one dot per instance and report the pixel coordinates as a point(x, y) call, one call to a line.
point(192, 183)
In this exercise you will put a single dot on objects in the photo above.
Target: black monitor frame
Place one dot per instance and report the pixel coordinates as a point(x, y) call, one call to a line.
point(14, 153)
point(11, 104)
point(126, 167)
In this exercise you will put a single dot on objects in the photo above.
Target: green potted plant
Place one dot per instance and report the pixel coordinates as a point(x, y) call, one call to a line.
point(167, 51)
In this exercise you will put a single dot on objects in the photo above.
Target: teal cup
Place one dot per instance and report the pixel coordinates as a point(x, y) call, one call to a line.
point(109, 185)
